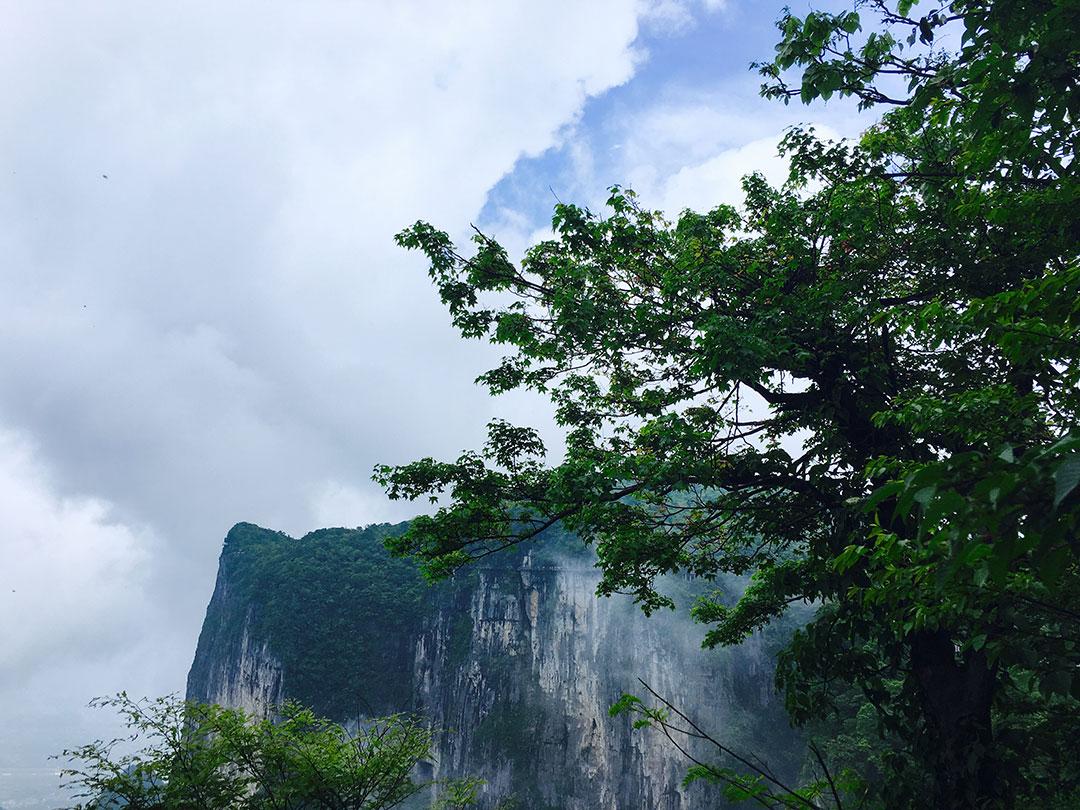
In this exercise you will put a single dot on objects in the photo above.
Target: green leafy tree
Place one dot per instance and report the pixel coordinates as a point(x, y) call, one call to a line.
point(185, 755)
point(862, 386)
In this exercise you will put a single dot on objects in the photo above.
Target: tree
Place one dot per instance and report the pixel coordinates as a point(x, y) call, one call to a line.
point(862, 386)
point(206, 756)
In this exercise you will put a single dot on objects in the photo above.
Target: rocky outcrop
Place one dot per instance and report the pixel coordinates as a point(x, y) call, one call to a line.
point(250, 679)
point(517, 664)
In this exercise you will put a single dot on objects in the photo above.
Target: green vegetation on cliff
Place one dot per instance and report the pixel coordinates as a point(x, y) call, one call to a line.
point(342, 615)
point(337, 610)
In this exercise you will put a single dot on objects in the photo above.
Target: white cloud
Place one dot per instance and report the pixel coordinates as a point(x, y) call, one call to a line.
point(703, 186)
point(682, 146)
point(718, 179)
point(73, 579)
point(336, 503)
point(672, 17)
point(691, 148)
point(203, 316)
point(691, 138)
point(81, 616)
point(227, 308)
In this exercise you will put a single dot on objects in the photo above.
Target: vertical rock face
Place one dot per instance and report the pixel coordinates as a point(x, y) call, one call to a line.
point(526, 704)
point(516, 664)
point(248, 675)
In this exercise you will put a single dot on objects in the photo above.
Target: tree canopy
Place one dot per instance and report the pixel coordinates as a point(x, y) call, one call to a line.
point(862, 386)
point(191, 755)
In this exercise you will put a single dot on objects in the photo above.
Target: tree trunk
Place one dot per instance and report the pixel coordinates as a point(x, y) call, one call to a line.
point(956, 694)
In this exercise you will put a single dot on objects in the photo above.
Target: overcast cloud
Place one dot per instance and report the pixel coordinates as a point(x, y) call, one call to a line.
point(203, 316)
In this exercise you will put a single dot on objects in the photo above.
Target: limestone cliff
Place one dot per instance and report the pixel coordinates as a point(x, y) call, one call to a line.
point(248, 676)
point(516, 663)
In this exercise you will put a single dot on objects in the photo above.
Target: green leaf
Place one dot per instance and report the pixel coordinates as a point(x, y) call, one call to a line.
point(1066, 478)
point(925, 495)
point(982, 573)
point(850, 22)
point(848, 557)
point(883, 492)
point(1057, 682)
point(626, 703)
point(1053, 565)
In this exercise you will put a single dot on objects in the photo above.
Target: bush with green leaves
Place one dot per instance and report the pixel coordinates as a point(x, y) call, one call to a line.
point(190, 755)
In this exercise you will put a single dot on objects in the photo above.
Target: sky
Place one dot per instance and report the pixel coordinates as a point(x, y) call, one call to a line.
point(203, 315)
